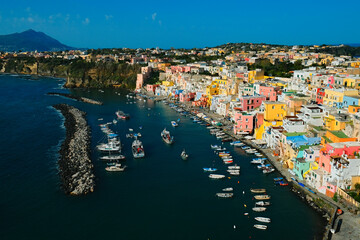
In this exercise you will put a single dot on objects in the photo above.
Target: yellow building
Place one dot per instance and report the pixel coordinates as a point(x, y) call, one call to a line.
point(335, 122)
point(350, 82)
point(274, 113)
point(162, 66)
point(167, 83)
point(257, 74)
point(334, 97)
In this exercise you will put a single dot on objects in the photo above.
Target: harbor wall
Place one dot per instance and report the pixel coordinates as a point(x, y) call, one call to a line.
point(76, 168)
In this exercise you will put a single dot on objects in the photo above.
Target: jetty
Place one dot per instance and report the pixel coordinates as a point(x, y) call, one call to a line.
point(76, 168)
point(80, 99)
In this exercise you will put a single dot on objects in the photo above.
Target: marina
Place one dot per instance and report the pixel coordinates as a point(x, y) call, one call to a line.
point(160, 170)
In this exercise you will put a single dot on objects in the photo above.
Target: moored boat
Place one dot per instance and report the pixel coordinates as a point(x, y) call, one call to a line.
point(174, 124)
point(229, 189)
point(262, 203)
point(258, 190)
point(225, 195)
point(115, 168)
point(122, 115)
point(166, 137)
point(112, 157)
point(259, 226)
point(216, 176)
point(137, 149)
point(235, 167)
point(262, 197)
point(184, 155)
point(210, 169)
point(259, 209)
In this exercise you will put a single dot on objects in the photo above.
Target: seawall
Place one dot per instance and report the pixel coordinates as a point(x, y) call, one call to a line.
point(76, 168)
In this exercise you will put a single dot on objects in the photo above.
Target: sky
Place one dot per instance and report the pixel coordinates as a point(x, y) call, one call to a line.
point(184, 24)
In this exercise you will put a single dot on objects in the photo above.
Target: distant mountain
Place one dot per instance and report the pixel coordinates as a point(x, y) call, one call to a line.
point(30, 40)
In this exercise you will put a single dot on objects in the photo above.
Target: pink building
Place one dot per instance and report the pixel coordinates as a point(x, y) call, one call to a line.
point(243, 122)
point(180, 69)
point(331, 81)
point(187, 97)
point(151, 87)
point(267, 91)
point(336, 150)
point(249, 103)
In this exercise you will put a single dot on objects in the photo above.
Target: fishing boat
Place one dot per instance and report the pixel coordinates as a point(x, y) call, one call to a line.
point(258, 190)
point(262, 197)
point(166, 137)
point(210, 169)
point(259, 226)
point(216, 176)
point(228, 161)
point(115, 168)
point(112, 157)
point(184, 155)
point(225, 195)
point(262, 203)
point(235, 167)
point(174, 124)
point(122, 115)
point(259, 209)
point(137, 149)
point(229, 189)
point(109, 147)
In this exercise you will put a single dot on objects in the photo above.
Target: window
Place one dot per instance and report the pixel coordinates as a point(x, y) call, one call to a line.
point(246, 126)
point(273, 107)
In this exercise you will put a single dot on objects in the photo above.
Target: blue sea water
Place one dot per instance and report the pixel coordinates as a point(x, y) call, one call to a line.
point(158, 197)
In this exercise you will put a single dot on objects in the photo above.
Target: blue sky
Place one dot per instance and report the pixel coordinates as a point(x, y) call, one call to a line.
point(118, 23)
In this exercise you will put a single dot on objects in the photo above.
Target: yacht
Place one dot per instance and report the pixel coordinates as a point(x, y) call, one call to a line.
point(137, 149)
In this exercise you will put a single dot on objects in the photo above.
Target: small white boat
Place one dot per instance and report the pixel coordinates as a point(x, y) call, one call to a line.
point(225, 195)
point(263, 219)
point(259, 209)
point(268, 170)
point(229, 189)
point(216, 176)
point(112, 157)
point(258, 190)
point(234, 172)
point(174, 124)
point(259, 226)
point(262, 197)
point(184, 155)
point(115, 168)
point(233, 167)
point(262, 203)
point(257, 161)
point(210, 169)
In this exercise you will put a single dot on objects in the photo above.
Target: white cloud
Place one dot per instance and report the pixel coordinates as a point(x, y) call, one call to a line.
point(108, 17)
point(86, 21)
point(153, 16)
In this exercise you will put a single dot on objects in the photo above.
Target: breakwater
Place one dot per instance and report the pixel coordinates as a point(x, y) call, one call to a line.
point(80, 99)
point(76, 168)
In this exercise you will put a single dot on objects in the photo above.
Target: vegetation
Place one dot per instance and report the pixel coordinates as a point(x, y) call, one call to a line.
point(335, 198)
point(279, 69)
point(341, 50)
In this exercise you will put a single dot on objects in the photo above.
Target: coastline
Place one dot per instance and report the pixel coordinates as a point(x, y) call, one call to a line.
point(327, 210)
point(76, 168)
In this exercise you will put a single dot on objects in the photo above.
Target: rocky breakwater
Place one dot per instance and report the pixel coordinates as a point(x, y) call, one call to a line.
point(76, 168)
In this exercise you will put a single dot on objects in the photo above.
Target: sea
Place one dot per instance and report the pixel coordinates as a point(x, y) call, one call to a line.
point(158, 197)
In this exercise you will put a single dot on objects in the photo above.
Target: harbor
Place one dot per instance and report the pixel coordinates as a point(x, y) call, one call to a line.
point(160, 189)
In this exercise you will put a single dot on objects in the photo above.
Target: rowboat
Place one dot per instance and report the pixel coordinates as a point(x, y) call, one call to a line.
point(216, 176)
point(259, 190)
point(225, 195)
point(259, 226)
point(263, 219)
point(262, 197)
point(259, 209)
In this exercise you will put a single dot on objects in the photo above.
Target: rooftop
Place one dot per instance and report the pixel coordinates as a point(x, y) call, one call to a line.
point(339, 134)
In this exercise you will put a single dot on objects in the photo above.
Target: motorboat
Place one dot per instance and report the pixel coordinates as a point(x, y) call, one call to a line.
point(166, 137)
point(137, 149)
point(258, 190)
point(112, 157)
point(268, 170)
point(229, 189)
point(238, 144)
point(228, 161)
point(262, 203)
point(262, 197)
point(257, 161)
point(109, 147)
point(225, 195)
point(115, 168)
point(278, 179)
point(210, 169)
point(184, 155)
point(216, 176)
point(259, 209)
point(174, 124)
point(259, 226)
point(122, 115)
point(234, 172)
point(234, 167)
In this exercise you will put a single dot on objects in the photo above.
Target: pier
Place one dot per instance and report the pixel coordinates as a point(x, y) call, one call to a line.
point(76, 168)
point(80, 99)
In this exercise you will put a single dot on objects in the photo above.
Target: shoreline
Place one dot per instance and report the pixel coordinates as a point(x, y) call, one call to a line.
point(80, 99)
point(76, 168)
point(327, 213)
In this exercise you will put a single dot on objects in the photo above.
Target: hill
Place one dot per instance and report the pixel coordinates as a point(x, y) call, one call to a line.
point(30, 40)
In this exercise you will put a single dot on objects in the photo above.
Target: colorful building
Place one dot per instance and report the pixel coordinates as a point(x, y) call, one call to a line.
point(249, 103)
point(244, 122)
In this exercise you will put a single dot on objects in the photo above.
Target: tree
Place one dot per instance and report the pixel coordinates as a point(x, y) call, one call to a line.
point(357, 188)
